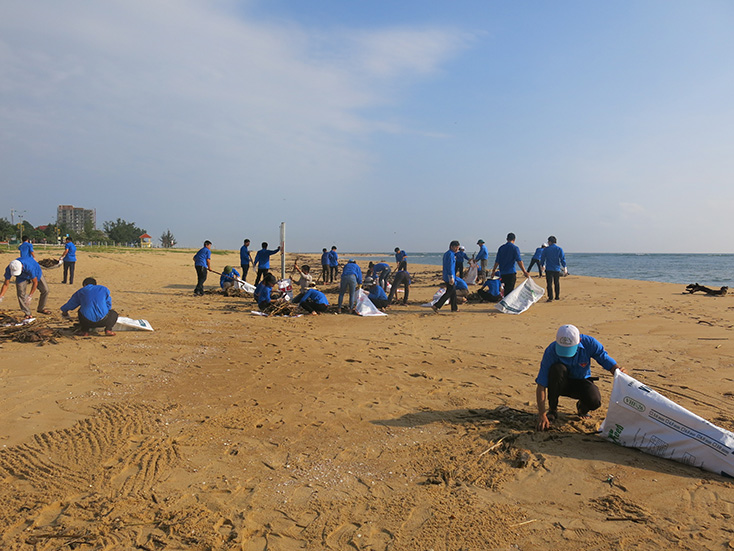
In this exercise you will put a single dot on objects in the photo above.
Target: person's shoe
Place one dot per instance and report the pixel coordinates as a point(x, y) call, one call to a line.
point(552, 416)
point(64, 282)
point(435, 310)
point(81, 334)
point(581, 413)
point(549, 300)
point(109, 333)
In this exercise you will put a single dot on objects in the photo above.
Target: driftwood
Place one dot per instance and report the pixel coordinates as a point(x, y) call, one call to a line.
point(37, 331)
point(49, 263)
point(693, 287)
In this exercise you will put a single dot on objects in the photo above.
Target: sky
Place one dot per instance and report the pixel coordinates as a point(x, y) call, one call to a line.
point(371, 125)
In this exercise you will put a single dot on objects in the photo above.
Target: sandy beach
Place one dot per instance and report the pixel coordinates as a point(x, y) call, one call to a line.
point(415, 431)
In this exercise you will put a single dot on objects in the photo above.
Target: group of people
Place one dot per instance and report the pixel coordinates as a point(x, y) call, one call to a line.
point(94, 301)
point(549, 258)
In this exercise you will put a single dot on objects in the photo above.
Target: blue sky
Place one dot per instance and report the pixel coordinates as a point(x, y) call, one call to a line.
point(377, 124)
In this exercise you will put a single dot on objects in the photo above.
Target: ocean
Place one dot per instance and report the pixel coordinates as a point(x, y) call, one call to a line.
point(712, 270)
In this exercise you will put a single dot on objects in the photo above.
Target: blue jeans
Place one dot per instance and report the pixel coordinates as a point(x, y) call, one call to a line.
point(348, 283)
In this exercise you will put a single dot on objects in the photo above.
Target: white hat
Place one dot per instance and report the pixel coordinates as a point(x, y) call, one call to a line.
point(16, 267)
point(462, 248)
point(567, 341)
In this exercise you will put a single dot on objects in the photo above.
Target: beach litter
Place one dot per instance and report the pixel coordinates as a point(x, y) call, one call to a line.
point(130, 324)
point(28, 330)
point(50, 263)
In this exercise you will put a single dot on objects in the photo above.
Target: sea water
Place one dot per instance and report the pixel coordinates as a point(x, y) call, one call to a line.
point(712, 270)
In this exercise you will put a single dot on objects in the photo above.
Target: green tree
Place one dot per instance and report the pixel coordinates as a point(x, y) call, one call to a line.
point(7, 230)
point(122, 231)
point(167, 240)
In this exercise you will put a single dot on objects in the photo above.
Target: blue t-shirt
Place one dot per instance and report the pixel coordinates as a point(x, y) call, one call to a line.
point(262, 293)
point(353, 268)
point(224, 278)
point(31, 269)
point(538, 253)
point(94, 302)
point(333, 259)
point(553, 258)
point(507, 255)
point(25, 248)
point(325, 258)
point(449, 265)
point(202, 256)
point(579, 366)
point(493, 286)
point(400, 255)
point(377, 292)
point(262, 258)
point(483, 253)
point(461, 256)
point(314, 295)
point(460, 284)
point(71, 255)
point(377, 269)
point(244, 256)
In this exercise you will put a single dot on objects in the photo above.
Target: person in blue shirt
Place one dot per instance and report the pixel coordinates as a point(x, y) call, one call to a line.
point(380, 272)
point(349, 283)
point(462, 289)
point(565, 370)
point(402, 277)
point(202, 264)
point(312, 301)
point(491, 290)
point(26, 247)
point(69, 258)
point(262, 260)
point(554, 261)
point(461, 257)
point(377, 294)
point(482, 257)
point(333, 263)
point(245, 258)
point(507, 255)
point(95, 308)
point(449, 278)
point(228, 277)
point(263, 292)
point(537, 260)
point(400, 255)
point(325, 271)
point(26, 270)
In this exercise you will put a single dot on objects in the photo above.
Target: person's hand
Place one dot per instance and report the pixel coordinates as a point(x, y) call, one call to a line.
point(543, 422)
point(65, 314)
point(622, 369)
point(28, 299)
point(2, 299)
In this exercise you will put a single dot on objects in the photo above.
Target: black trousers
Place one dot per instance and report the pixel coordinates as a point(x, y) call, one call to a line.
point(400, 279)
point(553, 281)
point(313, 306)
point(379, 302)
point(201, 273)
point(449, 295)
point(245, 269)
point(533, 262)
point(509, 280)
point(460, 269)
point(107, 322)
point(333, 270)
point(326, 273)
point(69, 270)
point(261, 273)
point(583, 390)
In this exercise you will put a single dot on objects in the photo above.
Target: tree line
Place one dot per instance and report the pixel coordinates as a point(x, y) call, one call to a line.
point(118, 231)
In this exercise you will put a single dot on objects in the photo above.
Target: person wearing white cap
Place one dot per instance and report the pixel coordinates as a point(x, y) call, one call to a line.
point(25, 269)
point(565, 370)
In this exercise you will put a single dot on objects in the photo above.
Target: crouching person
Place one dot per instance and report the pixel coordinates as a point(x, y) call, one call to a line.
point(377, 294)
point(228, 278)
point(263, 292)
point(312, 301)
point(95, 308)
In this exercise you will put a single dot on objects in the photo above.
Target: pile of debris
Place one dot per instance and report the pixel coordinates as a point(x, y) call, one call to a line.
point(38, 331)
point(50, 262)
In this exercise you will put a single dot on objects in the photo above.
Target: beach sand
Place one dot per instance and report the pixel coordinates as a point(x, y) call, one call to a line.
point(415, 431)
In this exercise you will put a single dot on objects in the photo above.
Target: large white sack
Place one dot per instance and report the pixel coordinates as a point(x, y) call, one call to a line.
point(639, 417)
point(435, 298)
point(244, 286)
point(472, 273)
point(129, 324)
point(521, 298)
point(365, 307)
point(285, 286)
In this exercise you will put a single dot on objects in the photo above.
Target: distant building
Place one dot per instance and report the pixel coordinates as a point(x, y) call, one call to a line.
point(76, 218)
point(146, 241)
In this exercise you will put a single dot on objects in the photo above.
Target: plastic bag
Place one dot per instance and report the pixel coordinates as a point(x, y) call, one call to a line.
point(522, 298)
point(285, 286)
point(365, 307)
point(639, 417)
point(472, 273)
point(435, 298)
